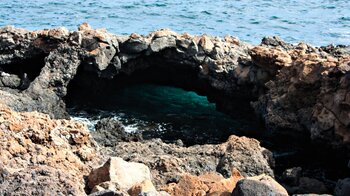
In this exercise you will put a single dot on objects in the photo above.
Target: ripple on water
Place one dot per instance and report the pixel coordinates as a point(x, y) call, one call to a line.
point(308, 21)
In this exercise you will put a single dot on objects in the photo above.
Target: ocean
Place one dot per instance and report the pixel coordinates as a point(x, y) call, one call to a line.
point(318, 22)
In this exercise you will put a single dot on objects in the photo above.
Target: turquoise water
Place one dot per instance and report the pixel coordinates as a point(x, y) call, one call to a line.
point(319, 22)
point(167, 112)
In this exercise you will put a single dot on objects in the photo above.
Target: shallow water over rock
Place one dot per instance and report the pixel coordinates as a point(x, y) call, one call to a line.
point(167, 112)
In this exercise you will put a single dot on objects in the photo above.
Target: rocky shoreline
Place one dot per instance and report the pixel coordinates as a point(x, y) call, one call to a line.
point(301, 94)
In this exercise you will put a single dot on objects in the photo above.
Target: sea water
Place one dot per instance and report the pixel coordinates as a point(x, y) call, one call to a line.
point(318, 22)
point(166, 112)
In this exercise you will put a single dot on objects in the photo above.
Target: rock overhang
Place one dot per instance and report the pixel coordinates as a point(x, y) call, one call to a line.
point(271, 75)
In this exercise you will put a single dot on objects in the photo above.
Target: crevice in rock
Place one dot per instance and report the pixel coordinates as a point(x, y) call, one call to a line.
point(19, 74)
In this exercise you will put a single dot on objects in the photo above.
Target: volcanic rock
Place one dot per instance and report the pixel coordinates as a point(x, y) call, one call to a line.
point(259, 185)
point(41, 156)
point(292, 175)
point(124, 174)
point(300, 92)
point(206, 184)
point(109, 131)
point(168, 161)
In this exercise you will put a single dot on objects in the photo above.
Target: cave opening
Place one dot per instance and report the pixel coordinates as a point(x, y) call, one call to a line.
point(171, 102)
point(167, 102)
point(19, 74)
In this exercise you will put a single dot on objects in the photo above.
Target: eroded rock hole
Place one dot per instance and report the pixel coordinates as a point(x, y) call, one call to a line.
point(19, 74)
point(175, 104)
point(160, 102)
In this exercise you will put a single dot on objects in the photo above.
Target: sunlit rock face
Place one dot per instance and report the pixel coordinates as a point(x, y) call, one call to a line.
point(301, 93)
point(41, 156)
point(296, 89)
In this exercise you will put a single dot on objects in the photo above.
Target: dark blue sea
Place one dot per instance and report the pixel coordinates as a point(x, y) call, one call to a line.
point(318, 22)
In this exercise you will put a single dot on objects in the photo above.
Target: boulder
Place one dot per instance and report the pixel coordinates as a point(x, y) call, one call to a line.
point(161, 43)
point(259, 185)
point(206, 44)
point(103, 56)
point(135, 44)
point(237, 150)
point(206, 184)
point(168, 162)
point(109, 131)
point(162, 33)
point(270, 59)
point(116, 170)
point(9, 80)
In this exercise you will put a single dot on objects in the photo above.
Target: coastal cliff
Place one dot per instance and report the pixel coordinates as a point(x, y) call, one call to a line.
point(300, 92)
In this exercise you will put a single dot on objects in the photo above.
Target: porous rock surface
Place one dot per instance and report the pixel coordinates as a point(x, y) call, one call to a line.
point(116, 170)
point(205, 184)
point(169, 161)
point(298, 91)
point(309, 93)
point(258, 185)
point(41, 156)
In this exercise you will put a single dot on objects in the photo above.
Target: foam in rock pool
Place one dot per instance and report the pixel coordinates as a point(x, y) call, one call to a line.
point(167, 112)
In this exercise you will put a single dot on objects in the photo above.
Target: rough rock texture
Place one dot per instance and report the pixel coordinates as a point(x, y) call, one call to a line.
point(291, 176)
point(299, 91)
point(308, 94)
point(294, 181)
point(219, 62)
point(206, 184)
point(168, 161)
point(44, 156)
point(123, 174)
point(109, 131)
point(45, 93)
point(41, 156)
point(259, 185)
point(302, 90)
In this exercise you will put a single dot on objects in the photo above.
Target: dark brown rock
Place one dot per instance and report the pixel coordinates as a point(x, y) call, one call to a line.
point(258, 185)
point(109, 131)
point(206, 184)
point(168, 161)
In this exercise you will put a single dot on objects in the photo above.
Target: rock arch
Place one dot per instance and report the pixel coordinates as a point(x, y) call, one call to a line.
point(292, 86)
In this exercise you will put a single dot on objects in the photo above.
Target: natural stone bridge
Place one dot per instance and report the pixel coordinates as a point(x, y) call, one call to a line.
point(301, 94)
point(297, 90)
